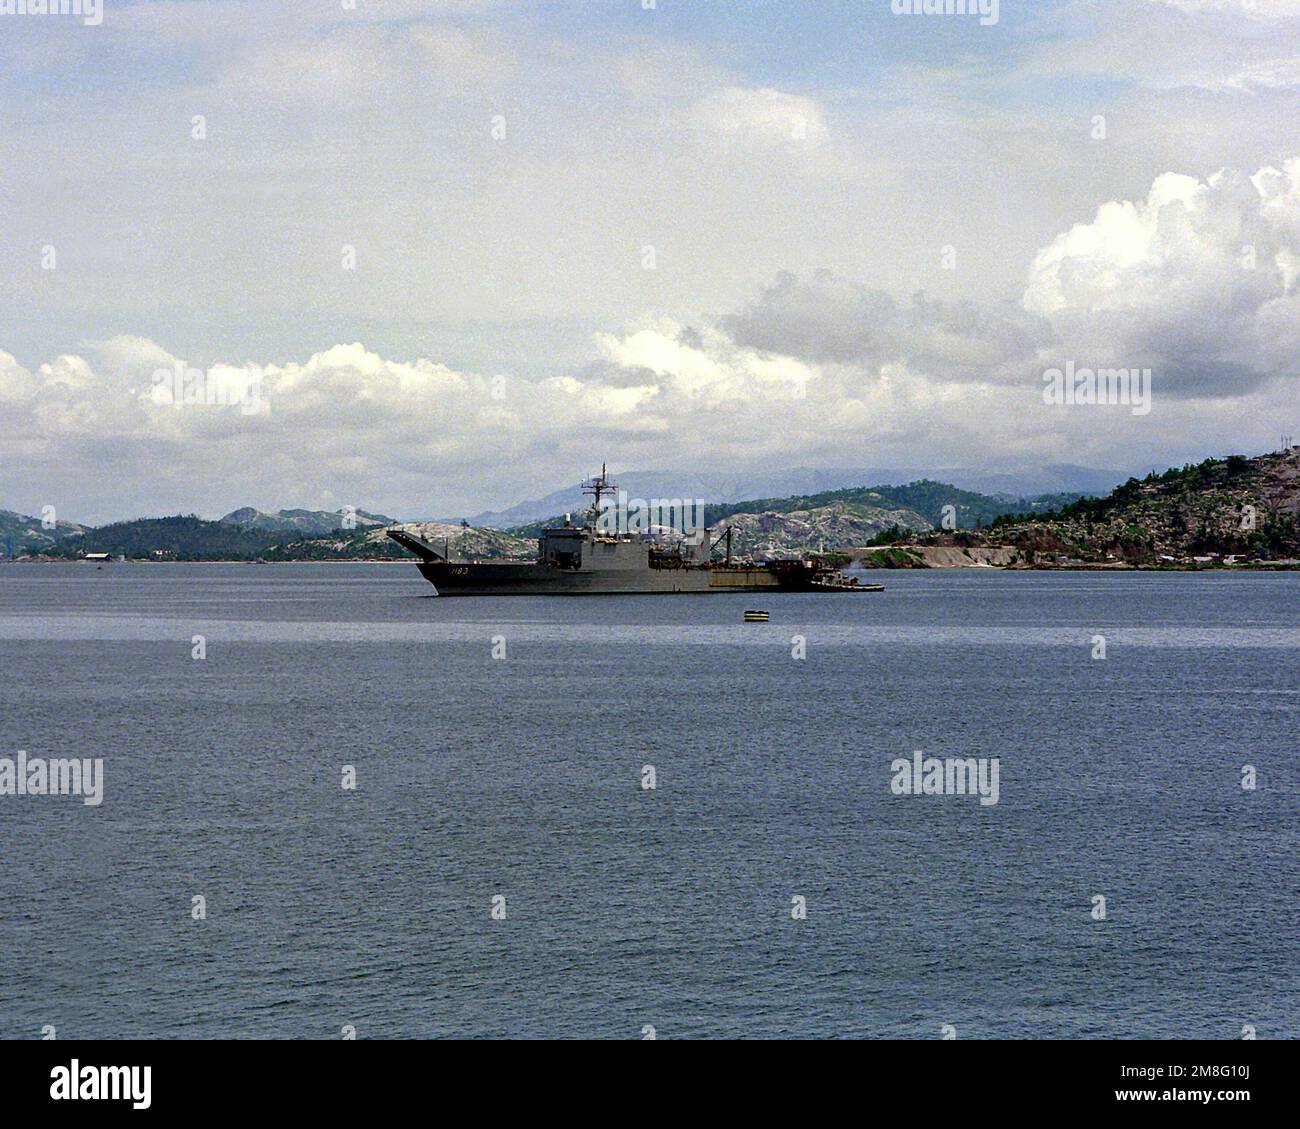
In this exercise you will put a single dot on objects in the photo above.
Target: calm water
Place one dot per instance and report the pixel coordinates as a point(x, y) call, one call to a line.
point(672, 907)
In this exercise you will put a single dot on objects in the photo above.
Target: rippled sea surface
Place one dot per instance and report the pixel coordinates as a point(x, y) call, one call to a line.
point(521, 776)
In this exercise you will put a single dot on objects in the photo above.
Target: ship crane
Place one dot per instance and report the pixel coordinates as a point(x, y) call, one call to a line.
point(727, 536)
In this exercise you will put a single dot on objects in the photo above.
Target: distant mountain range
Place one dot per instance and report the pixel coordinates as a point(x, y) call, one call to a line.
point(806, 481)
point(190, 538)
point(801, 523)
point(1237, 506)
point(856, 516)
point(22, 534)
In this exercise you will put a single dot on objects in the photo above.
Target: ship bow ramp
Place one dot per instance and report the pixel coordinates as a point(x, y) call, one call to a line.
point(417, 545)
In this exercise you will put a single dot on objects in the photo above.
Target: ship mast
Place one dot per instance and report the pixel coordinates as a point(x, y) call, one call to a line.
point(598, 486)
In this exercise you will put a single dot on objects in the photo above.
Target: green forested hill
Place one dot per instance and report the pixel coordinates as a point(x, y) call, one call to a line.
point(189, 538)
point(1246, 507)
point(184, 536)
point(925, 497)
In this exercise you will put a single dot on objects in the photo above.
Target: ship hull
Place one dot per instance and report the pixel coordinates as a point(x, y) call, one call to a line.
point(529, 579)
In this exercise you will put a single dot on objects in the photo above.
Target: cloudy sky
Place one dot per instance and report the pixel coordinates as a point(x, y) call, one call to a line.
point(463, 251)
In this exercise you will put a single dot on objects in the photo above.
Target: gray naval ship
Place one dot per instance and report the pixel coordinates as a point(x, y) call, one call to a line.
point(588, 560)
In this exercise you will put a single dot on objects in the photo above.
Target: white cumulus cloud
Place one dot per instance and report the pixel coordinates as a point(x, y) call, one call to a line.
point(1196, 281)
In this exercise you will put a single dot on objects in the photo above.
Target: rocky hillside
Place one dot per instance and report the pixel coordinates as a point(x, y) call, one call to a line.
point(305, 523)
point(933, 502)
point(21, 535)
point(1235, 510)
point(462, 543)
point(823, 528)
point(839, 520)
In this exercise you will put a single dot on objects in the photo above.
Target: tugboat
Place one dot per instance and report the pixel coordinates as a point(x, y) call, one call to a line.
point(587, 560)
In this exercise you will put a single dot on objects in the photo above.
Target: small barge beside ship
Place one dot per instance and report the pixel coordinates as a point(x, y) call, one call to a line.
point(586, 560)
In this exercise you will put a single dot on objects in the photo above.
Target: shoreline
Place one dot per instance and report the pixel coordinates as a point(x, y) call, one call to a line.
point(1262, 566)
